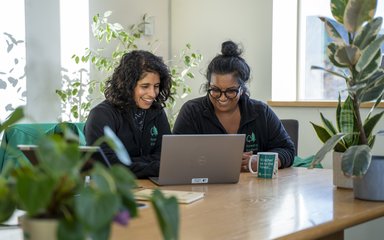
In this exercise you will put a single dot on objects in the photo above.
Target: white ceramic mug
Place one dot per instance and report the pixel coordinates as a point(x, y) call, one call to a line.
point(267, 164)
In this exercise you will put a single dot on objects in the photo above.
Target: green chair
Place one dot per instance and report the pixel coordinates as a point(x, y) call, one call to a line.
point(29, 134)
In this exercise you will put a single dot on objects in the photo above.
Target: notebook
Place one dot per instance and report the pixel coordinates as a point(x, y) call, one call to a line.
point(200, 159)
point(181, 196)
point(97, 154)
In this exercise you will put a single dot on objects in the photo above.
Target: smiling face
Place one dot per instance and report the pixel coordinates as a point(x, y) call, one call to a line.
point(146, 90)
point(228, 83)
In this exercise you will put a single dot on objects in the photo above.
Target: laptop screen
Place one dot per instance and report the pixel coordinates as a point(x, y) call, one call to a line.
point(203, 158)
point(97, 154)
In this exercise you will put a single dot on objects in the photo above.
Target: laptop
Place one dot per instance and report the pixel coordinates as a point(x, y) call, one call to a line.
point(97, 154)
point(200, 159)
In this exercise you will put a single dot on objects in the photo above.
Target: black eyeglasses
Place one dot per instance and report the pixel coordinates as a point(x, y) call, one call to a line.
point(229, 93)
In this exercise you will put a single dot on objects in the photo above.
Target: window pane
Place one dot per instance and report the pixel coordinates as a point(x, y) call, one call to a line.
point(313, 42)
point(319, 85)
point(12, 60)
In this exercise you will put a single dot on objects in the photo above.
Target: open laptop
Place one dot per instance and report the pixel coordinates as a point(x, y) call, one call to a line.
point(97, 154)
point(197, 159)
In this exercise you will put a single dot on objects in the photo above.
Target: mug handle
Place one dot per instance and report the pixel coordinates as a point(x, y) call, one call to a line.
point(251, 159)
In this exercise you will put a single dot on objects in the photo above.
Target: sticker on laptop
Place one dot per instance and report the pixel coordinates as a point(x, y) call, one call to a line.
point(199, 180)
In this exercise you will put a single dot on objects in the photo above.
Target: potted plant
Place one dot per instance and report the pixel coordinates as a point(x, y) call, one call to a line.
point(357, 60)
point(56, 192)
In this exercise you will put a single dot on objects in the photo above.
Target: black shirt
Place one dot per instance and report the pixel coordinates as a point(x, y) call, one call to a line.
point(143, 146)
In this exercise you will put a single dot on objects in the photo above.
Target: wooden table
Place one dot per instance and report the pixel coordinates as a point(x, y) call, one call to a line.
point(299, 204)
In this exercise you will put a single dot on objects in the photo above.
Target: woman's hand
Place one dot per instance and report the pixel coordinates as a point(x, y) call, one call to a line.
point(245, 160)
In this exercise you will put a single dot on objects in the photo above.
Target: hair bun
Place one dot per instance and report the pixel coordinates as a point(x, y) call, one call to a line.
point(230, 49)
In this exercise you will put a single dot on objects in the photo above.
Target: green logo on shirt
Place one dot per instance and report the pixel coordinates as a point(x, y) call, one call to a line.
point(251, 144)
point(251, 138)
point(154, 132)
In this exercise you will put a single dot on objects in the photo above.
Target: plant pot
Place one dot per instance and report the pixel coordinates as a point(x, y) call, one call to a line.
point(39, 229)
point(371, 185)
point(339, 180)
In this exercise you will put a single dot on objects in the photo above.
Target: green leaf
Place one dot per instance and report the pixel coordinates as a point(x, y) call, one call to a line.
point(371, 69)
point(369, 53)
point(167, 213)
point(70, 230)
point(34, 192)
point(329, 71)
point(378, 101)
point(338, 8)
point(331, 50)
point(125, 181)
point(374, 88)
point(347, 116)
point(117, 146)
point(357, 12)
point(347, 55)
point(347, 120)
point(7, 204)
point(58, 155)
point(328, 124)
point(371, 141)
point(101, 234)
point(190, 75)
point(107, 14)
point(331, 30)
point(321, 132)
point(325, 135)
point(14, 117)
point(338, 111)
point(102, 180)
point(356, 160)
point(370, 123)
point(96, 209)
point(328, 146)
point(368, 33)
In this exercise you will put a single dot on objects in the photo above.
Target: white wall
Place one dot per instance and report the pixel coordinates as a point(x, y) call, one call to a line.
point(206, 24)
point(130, 12)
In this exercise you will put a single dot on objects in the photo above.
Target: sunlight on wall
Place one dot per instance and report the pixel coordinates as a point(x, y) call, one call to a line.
point(284, 50)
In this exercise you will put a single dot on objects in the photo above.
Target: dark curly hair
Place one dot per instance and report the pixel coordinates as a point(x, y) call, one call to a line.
point(229, 61)
point(132, 67)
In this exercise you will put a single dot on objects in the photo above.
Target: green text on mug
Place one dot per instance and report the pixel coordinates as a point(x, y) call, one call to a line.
point(266, 164)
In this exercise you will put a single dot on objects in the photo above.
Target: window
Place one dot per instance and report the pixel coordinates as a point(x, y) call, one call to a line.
point(12, 60)
point(74, 33)
point(299, 42)
point(313, 39)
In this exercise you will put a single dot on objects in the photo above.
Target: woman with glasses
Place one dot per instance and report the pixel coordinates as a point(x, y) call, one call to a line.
point(227, 109)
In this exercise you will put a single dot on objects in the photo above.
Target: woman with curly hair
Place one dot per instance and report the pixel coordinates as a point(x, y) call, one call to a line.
point(227, 109)
point(133, 108)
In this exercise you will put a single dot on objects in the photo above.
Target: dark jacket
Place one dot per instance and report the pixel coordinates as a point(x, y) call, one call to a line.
point(264, 131)
point(143, 147)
